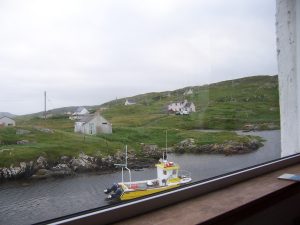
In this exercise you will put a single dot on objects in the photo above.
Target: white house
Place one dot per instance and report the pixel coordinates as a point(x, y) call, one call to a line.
point(184, 106)
point(129, 102)
point(93, 124)
point(188, 92)
point(6, 122)
point(79, 113)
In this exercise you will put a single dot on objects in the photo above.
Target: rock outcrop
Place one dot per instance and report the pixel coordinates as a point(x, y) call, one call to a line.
point(227, 148)
point(22, 170)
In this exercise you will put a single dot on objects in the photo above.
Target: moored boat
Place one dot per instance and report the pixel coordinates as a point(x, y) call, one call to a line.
point(169, 176)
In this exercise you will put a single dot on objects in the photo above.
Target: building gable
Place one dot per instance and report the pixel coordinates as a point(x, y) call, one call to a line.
point(6, 121)
point(93, 124)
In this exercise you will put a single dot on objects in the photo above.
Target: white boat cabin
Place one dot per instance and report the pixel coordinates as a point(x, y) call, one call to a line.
point(166, 171)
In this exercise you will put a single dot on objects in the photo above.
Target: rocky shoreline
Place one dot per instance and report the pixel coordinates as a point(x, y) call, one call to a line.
point(43, 168)
point(66, 166)
point(227, 148)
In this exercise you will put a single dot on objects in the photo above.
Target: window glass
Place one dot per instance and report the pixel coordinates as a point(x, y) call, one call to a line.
point(189, 89)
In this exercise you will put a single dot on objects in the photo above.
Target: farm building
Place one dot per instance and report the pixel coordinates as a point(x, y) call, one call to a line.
point(188, 92)
point(6, 122)
point(129, 102)
point(93, 124)
point(183, 106)
point(79, 113)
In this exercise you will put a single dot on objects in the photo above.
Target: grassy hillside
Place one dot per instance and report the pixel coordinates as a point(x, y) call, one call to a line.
point(51, 145)
point(226, 105)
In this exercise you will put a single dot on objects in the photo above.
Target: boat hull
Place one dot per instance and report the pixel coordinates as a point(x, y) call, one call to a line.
point(132, 194)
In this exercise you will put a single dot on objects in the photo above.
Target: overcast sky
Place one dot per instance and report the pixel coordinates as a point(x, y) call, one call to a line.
point(85, 52)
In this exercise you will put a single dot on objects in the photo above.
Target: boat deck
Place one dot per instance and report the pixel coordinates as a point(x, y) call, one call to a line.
point(142, 185)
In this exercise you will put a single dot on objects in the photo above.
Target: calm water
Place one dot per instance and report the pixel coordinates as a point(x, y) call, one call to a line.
point(31, 202)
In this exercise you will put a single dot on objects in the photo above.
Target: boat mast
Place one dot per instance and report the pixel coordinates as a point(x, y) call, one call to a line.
point(124, 166)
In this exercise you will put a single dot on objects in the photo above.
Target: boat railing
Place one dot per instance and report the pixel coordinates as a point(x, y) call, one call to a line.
point(184, 174)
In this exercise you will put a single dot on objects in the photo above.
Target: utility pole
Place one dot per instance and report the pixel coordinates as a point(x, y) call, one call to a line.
point(45, 106)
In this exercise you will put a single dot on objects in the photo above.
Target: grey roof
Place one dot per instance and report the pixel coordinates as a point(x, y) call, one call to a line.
point(130, 101)
point(79, 109)
point(86, 118)
point(6, 117)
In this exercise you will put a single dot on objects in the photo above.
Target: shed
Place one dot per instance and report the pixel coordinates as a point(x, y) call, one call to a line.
point(129, 102)
point(93, 124)
point(188, 92)
point(79, 113)
point(7, 122)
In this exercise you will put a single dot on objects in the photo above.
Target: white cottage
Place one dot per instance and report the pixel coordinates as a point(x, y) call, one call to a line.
point(188, 92)
point(6, 122)
point(93, 124)
point(184, 106)
point(129, 102)
point(79, 113)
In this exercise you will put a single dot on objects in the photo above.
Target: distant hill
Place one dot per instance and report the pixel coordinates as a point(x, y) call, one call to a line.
point(7, 114)
point(59, 111)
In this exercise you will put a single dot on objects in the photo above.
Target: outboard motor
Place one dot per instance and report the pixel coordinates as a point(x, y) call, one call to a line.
point(114, 192)
point(112, 189)
point(117, 193)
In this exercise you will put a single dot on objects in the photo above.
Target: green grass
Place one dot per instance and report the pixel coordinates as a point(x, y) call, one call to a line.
point(61, 143)
point(51, 145)
point(58, 122)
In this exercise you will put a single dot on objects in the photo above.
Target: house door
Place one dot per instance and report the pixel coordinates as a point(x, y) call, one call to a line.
point(91, 126)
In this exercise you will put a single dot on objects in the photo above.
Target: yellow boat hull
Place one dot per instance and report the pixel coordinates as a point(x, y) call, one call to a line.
point(132, 194)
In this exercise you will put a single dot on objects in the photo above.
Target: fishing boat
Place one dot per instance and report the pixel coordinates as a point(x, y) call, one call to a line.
point(169, 176)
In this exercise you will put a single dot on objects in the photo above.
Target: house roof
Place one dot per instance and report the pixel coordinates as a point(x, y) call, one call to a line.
point(130, 100)
point(6, 117)
point(183, 103)
point(86, 118)
point(79, 109)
